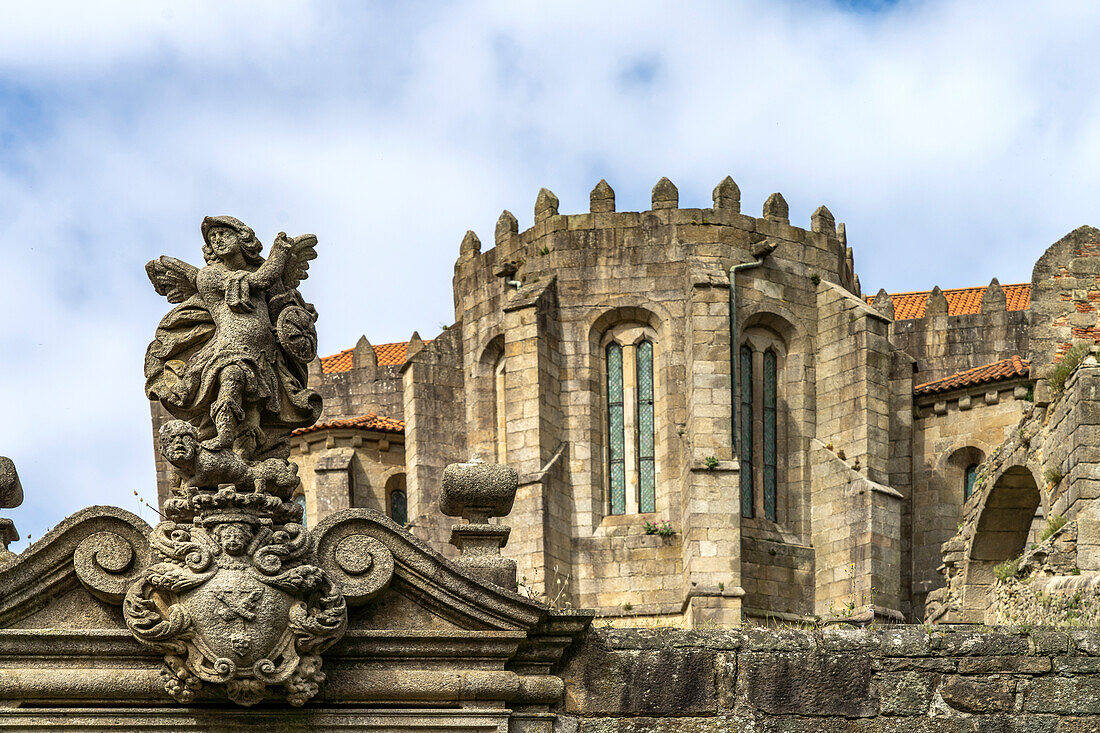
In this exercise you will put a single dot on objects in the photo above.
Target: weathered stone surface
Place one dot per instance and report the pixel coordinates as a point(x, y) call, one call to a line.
point(971, 695)
point(477, 490)
point(815, 684)
point(642, 682)
point(905, 693)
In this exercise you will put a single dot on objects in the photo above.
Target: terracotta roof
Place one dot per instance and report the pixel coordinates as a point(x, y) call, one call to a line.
point(995, 372)
point(370, 421)
point(386, 354)
point(960, 301)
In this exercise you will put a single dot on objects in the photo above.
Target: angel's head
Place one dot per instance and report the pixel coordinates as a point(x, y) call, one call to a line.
point(179, 442)
point(224, 236)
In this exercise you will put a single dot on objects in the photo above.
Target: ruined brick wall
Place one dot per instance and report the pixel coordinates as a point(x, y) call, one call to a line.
point(901, 678)
point(1065, 291)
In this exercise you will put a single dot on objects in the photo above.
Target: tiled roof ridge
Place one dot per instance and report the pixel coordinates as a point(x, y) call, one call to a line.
point(910, 305)
point(370, 421)
point(997, 371)
point(392, 354)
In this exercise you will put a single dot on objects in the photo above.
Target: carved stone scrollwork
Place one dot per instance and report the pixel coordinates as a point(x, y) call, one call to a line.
point(359, 563)
point(107, 563)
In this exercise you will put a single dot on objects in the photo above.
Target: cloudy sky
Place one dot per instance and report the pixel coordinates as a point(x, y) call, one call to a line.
point(955, 139)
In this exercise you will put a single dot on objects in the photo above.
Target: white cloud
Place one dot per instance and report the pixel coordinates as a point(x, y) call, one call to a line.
point(955, 139)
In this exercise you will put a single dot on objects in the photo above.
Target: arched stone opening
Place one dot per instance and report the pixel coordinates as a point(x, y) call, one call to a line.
point(1000, 534)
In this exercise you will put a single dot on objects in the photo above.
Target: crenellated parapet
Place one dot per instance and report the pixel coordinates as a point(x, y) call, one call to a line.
point(720, 232)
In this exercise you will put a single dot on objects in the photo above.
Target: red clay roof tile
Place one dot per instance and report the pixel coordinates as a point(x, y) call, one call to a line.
point(995, 372)
point(386, 354)
point(960, 301)
point(370, 421)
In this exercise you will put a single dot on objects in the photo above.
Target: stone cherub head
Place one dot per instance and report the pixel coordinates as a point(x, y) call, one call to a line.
point(179, 444)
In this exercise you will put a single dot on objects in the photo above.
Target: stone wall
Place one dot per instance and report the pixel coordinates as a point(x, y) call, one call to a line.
point(898, 678)
point(943, 345)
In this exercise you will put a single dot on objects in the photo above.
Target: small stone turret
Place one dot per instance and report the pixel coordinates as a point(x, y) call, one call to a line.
point(727, 195)
point(546, 205)
point(476, 491)
point(937, 303)
point(776, 209)
point(665, 195)
point(507, 227)
point(602, 198)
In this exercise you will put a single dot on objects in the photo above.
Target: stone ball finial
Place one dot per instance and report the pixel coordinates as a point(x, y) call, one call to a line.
point(776, 209)
point(507, 227)
point(11, 491)
point(602, 198)
point(476, 490)
point(665, 195)
point(546, 205)
point(727, 195)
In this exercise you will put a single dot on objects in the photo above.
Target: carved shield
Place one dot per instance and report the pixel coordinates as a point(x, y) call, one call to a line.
point(240, 628)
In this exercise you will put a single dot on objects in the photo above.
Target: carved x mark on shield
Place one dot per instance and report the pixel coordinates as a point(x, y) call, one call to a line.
point(240, 603)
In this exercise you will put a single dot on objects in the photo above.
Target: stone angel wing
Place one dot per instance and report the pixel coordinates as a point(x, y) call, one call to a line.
point(302, 250)
point(173, 278)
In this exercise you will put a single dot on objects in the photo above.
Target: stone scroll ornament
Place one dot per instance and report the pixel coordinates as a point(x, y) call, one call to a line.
point(234, 593)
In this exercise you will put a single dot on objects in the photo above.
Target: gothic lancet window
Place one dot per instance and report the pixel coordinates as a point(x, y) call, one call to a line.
point(631, 420)
point(745, 413)
point(397, 500)
point(616, 445)
point(759, 388)
point(646, 470)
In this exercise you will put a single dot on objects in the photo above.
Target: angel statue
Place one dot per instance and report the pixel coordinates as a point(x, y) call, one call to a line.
point(232, 357)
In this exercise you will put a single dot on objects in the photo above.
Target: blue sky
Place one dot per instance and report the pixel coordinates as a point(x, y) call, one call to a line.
point(955, 139)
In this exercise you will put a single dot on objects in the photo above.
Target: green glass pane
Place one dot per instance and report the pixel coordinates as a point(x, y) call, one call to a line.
point(399, 511)
point(745, 377)
point(971, 476)
point(770, 442)
point(648, 500)
point(646, 428)
point(616, 469)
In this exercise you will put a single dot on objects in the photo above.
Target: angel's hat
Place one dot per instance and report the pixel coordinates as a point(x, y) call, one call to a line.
point(233, 223)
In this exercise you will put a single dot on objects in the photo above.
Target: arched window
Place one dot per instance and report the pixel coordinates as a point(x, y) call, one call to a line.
point(759, 386)
point(745, 377)
point(630, 423)
point(397, 506)
point(968, 480)
point(499, 419)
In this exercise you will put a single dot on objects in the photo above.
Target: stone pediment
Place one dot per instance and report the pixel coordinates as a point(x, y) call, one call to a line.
point(421, 630)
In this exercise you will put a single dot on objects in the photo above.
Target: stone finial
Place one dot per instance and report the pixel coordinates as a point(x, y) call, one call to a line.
point(884, 304)
point(546, 205)
point(470, 246)
point(850, 260)
point(11, 496)
point(476, 491)
point(727, 195)
point(937, 303)
point(415, 346)
point(858, 288)
point(822, 221)
point(11, 491)
point(315, 370)
point(776, 209)
point(363, 357)
point(993, 299)
point(602, 198)
point(665, 195)
point(507, 227)
point(842, 234)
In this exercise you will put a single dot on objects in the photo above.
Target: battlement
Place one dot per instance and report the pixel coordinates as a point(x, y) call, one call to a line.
point(720, 231)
